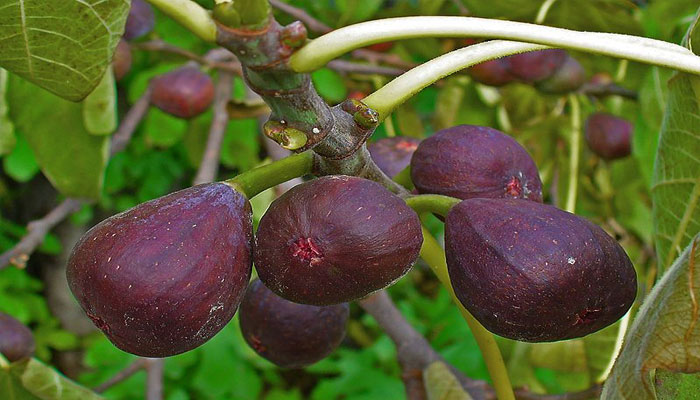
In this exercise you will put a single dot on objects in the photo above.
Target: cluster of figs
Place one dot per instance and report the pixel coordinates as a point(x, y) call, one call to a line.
point(165, 276)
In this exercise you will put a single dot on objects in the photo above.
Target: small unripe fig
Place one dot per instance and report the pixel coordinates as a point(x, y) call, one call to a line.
point(492, 72)
point(335, 239)
point(165, 276)
point(185, 92)
point(529, 271)
point(288, 334)
point(16, 340)
point(140, 20)
point(381, 47)
point(393, 154)
point(567, 78)
point(467, 161)
point(121, 61)
point(537, 65)
point(609, 137)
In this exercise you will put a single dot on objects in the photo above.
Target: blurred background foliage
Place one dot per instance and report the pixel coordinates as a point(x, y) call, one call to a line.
point(165, 152)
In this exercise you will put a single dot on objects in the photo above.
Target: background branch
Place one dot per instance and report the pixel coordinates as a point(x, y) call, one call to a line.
point(122, 375)
point(154, 378)
point(310, 22)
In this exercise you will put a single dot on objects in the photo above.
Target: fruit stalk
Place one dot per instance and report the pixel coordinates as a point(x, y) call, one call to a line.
point(190, 15)
point(575, 146)
point(256, 180)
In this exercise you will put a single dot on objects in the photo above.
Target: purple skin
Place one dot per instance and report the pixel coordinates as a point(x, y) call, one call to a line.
point(140, 20)
point(16, 340)
point(467, 161)
point(185, 92)
point(393, 154)
point(121, 61)
point(492, 73)
point(567, 78)
point(537, 65)
point(165, 276)
point(335, 239)
point(288, 334)
point(608, 136)
point(529, 271)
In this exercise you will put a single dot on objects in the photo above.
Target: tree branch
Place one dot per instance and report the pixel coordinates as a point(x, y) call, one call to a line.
point(122, 375)
point(356, 68)
point(214, 60)
point(154, 379)
point(311, 22)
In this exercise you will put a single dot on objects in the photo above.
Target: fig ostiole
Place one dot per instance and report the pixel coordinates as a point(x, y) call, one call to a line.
point(335, 239)
point(16, 340)
point(529, 271)
point(165, 276)
point(288, 334)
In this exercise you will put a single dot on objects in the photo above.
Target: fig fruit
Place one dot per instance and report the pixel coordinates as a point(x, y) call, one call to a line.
point(567, 78)
point(185, 92)
point(393, 154)
point(467, 161)
point(16, 340)
point(121, 61)
point(165, 276)
point(492, 72)
point(381, 47)
point(608, 136)
point(140, 20)
point(529, 271)
point(537, 65)
point(288, 334)
point(335, 239)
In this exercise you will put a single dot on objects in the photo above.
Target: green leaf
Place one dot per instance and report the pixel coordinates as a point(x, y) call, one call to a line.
point(330, 85)
point(71, 158)
point(64, 47)
point(673, 386)
point(7, 128)
point(20, 164)
point(100, 107)
point(162, 129)
point(441, 384)
point(665, 334)
point(31, 379)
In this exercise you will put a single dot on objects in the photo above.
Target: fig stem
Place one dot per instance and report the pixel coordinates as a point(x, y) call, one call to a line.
point(190, 15)
point(431, 252)
point(259, 179)
point(403, 178)
point(575, 149)
point(340, 41)
point(434, 203)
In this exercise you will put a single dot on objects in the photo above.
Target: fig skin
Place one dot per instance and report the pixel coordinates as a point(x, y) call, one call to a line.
point(468, 161)
point(608, 136)
point(567, 78)
point(529, 271)
point(288, 334)
point(165, 276)
point(16, 340)
point(393, 154)
point(492, 72)
point(537, 65)
point(121, 61)
point(185, 92)
point(335, 239)
point(140, 20)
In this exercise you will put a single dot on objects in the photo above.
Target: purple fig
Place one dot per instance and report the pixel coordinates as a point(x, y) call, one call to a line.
point(335, 239)
point(165, 276)
point(393, 154)
point(185, 92)
point(492, 73)
point(609, 136)
point(16, 340)
point(121, 61)
point(537, 65)
point(469, 161)
point(140, 20)
point(529, 271)
point(567, 78)
point(288, 334)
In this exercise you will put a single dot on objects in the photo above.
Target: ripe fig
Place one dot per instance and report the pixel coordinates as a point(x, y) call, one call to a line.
point(121, 61)
point(393, 154)
point(609, 136)
point(165, 276)
point(537, 65)
point(529, 271)
point(492, 73)
point(16, 340)
point(335, 239)
point(140, 20)
point(468, 161)
point(567, 78)
point(185, 92)
point(288, 334)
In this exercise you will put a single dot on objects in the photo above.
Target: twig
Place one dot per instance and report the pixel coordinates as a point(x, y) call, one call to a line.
point(131, 120)
point(384, 58)
point(213, 60)
point(598, 90)
point(461, 7)
point(154, 378)
point(311, 22)
point(122, 375)
point(590, 393)
point(356, 68)
point(210, 160)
